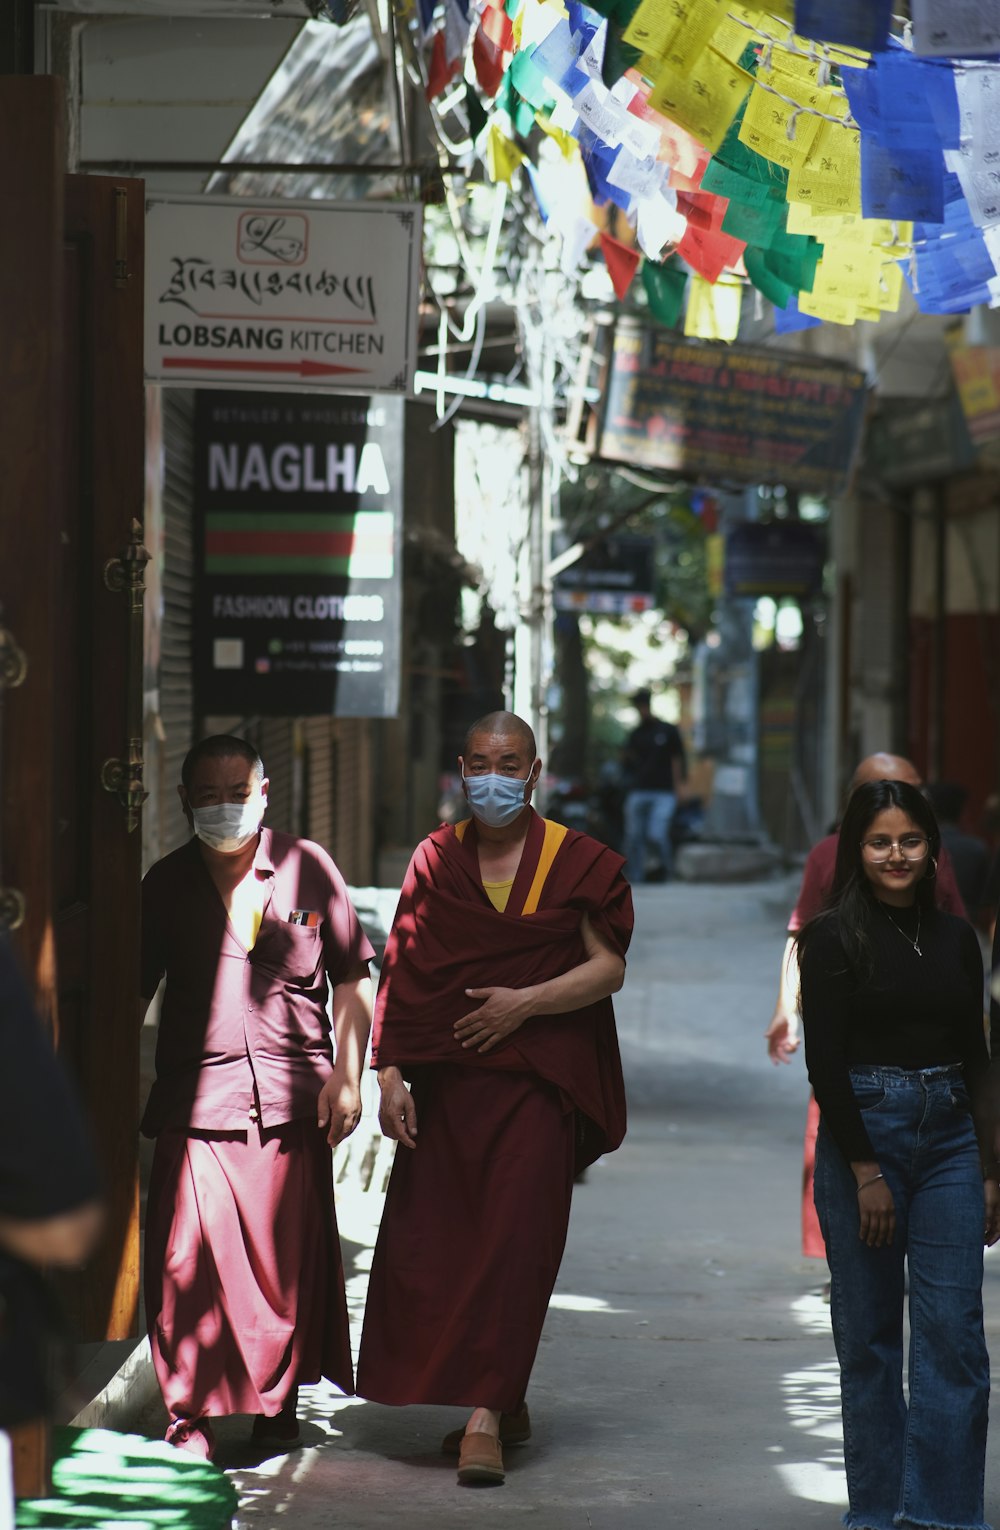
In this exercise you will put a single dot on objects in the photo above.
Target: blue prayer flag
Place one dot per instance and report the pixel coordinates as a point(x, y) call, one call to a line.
point(851, 23)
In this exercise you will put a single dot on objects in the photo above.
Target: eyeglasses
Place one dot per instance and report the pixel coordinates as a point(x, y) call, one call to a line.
point(912, 847)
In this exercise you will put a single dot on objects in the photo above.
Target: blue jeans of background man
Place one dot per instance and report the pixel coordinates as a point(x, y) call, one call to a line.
point(920, 1463)
point(648, 816)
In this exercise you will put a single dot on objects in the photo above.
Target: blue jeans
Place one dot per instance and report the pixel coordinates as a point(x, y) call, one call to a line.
point(648, 816)
point(920, 1464)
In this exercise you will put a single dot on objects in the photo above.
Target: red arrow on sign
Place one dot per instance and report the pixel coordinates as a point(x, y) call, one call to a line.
point(302, 368)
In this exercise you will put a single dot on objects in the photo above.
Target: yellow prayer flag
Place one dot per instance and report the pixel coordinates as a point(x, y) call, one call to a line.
point(833, 310)
point(568, 145)
point(731, 38)
point(831, 175)
point(675, 30)
point(648, 66)
point(798, 66)
point(502, 156)
point(652, 27)
point(705, 100)
point(848, 271)
point(713, 309)
point(694, 32)
point(890, 286)
point(778, 131)
point(837, 54)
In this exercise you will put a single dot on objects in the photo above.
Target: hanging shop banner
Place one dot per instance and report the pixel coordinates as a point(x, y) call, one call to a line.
point(298, 516)
point(776, 558)
point(911, 441)
point(305, 295)
point(613, 578)
point(730, 412)
point(976, 369)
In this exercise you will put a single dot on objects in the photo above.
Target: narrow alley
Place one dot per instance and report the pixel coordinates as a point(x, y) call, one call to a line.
point(686, 1375)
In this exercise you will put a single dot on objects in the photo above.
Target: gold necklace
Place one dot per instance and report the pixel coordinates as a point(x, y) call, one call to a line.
point(914, 940)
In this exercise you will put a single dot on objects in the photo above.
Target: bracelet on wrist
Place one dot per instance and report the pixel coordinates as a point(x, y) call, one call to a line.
point(866, 1182)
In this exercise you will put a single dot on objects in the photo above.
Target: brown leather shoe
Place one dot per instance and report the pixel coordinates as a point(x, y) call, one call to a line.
point(515, 1429)
point(480, 1462)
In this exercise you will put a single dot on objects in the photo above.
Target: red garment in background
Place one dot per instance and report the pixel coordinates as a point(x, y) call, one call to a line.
point(817, 880)
point(476, 1215)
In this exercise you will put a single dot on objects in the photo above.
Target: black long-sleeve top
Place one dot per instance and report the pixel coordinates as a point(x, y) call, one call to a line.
point(914, 1011)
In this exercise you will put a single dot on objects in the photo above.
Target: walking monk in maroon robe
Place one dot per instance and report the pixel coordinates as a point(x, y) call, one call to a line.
point(495, 1004)
point(244, 1281)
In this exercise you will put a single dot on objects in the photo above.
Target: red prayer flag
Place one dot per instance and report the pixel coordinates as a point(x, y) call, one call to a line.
point(703, 209)
point(497, 26)
point(622, 262)
point(487, 59)
point(441, 70)
point(709, 254)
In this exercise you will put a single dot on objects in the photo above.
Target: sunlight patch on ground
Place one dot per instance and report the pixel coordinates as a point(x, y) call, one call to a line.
point(817, 1481)
point(567, 1303)
point(811, 1400)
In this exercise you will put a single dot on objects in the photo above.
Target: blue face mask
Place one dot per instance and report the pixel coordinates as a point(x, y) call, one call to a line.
point(495, 800)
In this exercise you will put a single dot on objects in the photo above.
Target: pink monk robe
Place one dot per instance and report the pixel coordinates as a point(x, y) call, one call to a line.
point(243, 1276)
point(476, 1215)
point(244, 1281)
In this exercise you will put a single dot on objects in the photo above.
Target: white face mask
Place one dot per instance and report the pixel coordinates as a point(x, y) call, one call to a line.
point(228, 826)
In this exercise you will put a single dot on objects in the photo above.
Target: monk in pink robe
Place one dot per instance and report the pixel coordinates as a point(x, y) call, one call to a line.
point(244, 1282)
point(495, 1005)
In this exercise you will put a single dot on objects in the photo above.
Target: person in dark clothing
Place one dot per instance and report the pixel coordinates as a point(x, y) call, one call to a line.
point(655, 763)
point(50, 1206)
point(970, 855)
point(891, 998)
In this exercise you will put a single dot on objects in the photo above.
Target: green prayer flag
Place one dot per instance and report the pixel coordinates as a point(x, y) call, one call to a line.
point(755, 224)
point(619, 11)
point(749, 190)
point(779, 292)
point(618, 54)
point(664, 286)
point(504, 98)
point(754, 167)
point(793, 259)
point(529, 82)
point(523, 118)
point(476, 112)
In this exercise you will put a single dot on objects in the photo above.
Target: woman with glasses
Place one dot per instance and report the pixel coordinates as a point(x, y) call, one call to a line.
point(892, 1009)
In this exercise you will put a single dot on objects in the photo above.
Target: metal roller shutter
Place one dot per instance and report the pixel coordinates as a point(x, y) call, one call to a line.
point(172, 731)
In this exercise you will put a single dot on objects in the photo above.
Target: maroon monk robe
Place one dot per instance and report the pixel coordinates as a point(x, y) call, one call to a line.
point(476, 1215)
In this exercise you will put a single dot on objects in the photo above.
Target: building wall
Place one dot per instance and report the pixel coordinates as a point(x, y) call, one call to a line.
point(954, 661)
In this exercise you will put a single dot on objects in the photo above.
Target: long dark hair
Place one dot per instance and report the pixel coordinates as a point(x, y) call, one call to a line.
point(851, 904)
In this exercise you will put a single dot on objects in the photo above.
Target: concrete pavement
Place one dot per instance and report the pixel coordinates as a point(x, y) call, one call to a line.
point(686, 1375)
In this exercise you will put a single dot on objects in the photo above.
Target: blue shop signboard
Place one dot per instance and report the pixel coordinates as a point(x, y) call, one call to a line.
point(776, 558)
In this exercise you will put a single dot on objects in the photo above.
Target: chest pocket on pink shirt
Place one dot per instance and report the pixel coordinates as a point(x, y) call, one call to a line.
point(290, 952)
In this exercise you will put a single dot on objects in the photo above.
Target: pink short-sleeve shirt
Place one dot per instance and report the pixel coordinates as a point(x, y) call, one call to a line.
point(245, 1035)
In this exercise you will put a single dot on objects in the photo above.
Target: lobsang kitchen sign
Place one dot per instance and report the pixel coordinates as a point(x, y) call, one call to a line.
point(301, 295)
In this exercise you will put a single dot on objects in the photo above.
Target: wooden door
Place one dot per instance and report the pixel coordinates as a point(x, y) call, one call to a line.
point(98, 715)
point(71, 440)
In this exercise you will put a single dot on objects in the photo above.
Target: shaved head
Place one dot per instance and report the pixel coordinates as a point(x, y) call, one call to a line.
point(885, 767)
point(506, 725)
